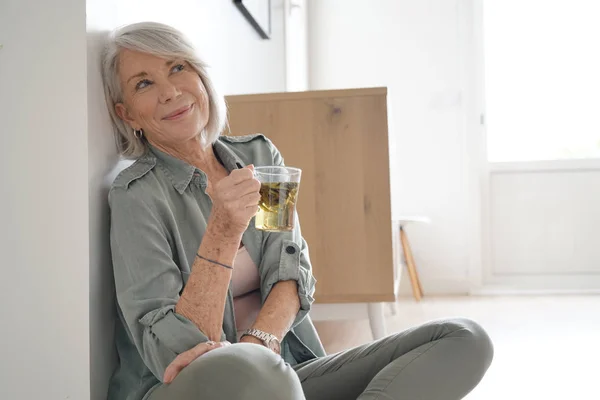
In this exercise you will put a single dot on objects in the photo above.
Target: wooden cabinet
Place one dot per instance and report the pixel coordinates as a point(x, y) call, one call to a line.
point(339, 139)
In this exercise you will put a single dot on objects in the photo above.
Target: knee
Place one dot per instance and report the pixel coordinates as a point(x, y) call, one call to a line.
point(480, 349)
point(256, 372)
point(251, 357)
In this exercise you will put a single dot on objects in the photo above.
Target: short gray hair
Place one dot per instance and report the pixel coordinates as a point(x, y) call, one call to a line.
point(162, 41)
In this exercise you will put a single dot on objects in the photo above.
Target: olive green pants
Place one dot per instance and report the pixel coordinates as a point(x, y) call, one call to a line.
point(440, 360)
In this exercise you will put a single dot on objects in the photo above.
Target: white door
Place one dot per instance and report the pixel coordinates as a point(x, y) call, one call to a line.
point(537, 143)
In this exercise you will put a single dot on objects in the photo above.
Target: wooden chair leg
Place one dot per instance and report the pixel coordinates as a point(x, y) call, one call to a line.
point(410, 265)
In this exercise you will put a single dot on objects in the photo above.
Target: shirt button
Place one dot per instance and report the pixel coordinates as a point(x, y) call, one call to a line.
point(290, 250)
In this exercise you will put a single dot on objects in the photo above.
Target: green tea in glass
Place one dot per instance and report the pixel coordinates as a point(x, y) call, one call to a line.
point(278, 198)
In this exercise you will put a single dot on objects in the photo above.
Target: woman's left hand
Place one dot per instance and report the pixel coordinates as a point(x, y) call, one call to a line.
point(184, 359)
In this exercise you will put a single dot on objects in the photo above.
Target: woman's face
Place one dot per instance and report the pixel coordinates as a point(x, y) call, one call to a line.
point(165, 98)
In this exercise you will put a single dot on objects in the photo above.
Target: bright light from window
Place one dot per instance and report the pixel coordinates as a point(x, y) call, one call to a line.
point(542, 79)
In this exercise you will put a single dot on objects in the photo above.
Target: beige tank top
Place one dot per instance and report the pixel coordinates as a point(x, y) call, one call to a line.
point(245, 284)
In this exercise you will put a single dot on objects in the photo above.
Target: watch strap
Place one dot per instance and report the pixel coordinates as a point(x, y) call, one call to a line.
point(264, 337)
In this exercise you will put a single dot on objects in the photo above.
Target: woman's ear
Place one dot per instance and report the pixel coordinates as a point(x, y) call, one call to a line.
point(124, 114)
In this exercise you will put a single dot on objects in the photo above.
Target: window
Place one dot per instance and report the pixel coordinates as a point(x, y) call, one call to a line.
point(542, 79)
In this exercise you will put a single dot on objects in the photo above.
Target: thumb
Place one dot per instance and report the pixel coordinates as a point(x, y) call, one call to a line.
point(250, 167)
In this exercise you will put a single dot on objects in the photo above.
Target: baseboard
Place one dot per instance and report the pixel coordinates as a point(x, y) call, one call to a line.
point(540, 284)
point(496, 286)
point(499, 291)
point(435, 286)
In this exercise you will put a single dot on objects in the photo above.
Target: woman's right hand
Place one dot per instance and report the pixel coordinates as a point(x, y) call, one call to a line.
point(184, 359)
point(235, 200)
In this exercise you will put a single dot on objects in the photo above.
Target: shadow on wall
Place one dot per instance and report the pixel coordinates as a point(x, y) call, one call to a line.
point(103, 166)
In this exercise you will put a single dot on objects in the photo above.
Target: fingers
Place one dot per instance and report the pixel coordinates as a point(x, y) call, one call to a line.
point(242, 174)
point(236, 197)
point(249, 186)
point(235, 192)
point(250, 200)
point(184, 359)
point(234, 187)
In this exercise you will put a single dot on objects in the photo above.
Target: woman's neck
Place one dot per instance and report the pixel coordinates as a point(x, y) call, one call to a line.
point(193, 153)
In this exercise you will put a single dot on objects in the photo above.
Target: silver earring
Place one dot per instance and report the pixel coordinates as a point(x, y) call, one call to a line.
point(138, 133)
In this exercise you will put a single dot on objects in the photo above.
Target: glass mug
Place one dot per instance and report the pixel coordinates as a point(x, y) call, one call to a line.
point(278, 198)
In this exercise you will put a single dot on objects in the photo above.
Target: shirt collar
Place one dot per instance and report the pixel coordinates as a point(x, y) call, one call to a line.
point(228, 158)
point(181, 173)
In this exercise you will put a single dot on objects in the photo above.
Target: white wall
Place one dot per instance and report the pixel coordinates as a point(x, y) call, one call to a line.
point(240, 62)
point(296, 45)
point(102, 157)
point(413, 48)
point(44, 345)
point(56, 151)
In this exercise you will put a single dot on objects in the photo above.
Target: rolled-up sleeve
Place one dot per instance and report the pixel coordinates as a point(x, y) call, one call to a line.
point(285, 257)
point(148, 282)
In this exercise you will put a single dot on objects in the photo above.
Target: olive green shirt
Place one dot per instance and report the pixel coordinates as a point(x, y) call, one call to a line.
point(159, 211)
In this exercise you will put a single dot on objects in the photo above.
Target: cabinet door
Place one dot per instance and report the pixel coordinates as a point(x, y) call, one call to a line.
point(340, 141)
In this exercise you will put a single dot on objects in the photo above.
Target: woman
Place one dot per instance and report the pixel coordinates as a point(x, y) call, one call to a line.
point(193, 275)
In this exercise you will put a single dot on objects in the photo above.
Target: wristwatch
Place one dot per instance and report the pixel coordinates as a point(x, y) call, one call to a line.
point(270, 341)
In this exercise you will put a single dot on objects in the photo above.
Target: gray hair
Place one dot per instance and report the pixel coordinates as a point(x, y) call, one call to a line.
point(162, 41)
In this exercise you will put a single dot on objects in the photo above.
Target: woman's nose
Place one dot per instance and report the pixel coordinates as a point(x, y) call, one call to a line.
point(168, 92)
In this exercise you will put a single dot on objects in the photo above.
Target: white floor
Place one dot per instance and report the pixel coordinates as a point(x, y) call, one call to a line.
point(545, 347)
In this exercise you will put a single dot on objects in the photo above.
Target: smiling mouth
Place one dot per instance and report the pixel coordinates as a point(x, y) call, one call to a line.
point(179, 113)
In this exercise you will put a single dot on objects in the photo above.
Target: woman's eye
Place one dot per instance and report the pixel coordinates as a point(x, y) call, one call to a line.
point(142, 84)
point(178, 67)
